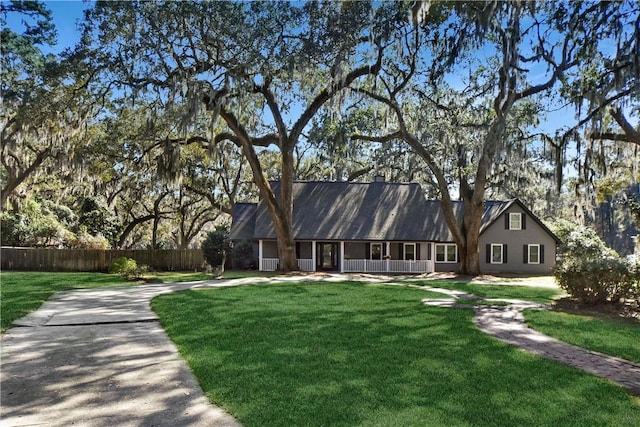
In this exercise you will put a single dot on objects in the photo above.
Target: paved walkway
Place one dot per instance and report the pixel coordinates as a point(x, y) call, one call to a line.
point(507, 324)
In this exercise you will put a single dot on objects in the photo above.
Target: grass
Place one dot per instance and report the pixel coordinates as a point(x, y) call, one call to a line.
point(23, 292)
point(605, 334)
point(173, 276)
point(529, 293)
point(352, 354)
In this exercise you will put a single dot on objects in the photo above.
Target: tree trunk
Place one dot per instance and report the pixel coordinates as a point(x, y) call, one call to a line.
point(468, 248)
point(154, 235)
point(286, 243)
point(280, 210)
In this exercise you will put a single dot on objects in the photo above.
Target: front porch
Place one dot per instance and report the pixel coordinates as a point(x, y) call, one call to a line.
point(353, 257)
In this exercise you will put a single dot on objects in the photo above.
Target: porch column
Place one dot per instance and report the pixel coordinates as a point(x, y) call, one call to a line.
point(433, 257)
point(388, 252)
point(342, 256)
point(260, 255)
point(313, 254)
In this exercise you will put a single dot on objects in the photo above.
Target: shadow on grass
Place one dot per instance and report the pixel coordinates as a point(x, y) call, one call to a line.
point(344, 354)
point(529, 293)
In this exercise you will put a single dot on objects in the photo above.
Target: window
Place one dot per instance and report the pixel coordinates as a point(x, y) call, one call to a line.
point(515, 221)
point(446, 253)
point(409, 251)
point(534, 254)
point(376, 251)
point(496, 254)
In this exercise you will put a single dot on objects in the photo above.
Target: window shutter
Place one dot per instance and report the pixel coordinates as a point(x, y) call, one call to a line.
point(506, 221)
point(298, 250)
point(429, 251)
point(523, 218)
point(384, 249)
point(488, 253)
point(541, 254)
point(368, 251)
point(525, 254)
point(417, 251)
point(401, 251)
point(504, 253)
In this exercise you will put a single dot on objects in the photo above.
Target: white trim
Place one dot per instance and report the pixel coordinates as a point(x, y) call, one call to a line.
point(313, 254)
point(260, 255)
point(341, 258)
point(446, 246)
point(497, 245)
point(512, 216)
point(529, 253)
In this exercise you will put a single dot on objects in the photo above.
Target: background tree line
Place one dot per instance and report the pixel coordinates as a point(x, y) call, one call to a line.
point(148, 131)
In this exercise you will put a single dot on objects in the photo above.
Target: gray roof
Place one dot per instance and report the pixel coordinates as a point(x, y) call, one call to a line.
point(361, 211)
point(244, 221)
point(353, 211)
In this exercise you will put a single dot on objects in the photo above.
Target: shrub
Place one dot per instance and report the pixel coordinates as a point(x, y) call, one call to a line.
point(242, 255)
point(128, 268)
point(590, 271)
point(215, 248)
point(597, 281)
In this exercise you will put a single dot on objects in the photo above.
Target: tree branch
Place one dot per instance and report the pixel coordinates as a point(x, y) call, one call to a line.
point(630, 133)
point(328, 93)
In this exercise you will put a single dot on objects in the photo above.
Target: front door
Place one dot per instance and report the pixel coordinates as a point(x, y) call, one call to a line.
point(327, 257)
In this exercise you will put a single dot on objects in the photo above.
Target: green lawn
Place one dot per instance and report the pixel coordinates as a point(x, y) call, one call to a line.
point(529, 293)
point(23, 292)
point(350, 354)
point(606, 334)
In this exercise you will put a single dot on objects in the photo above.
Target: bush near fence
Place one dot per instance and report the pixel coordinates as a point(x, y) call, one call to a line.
point(46, 259)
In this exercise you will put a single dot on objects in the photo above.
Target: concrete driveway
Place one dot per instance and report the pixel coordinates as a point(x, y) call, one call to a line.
point(100, 358)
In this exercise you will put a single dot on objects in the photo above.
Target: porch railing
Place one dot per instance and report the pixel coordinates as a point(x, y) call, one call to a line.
point(271, 264)
point(306, 265)
point(387, 266)
point(361, 265)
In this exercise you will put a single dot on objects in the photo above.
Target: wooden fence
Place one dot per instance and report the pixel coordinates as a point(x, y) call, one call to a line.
point(40, 259)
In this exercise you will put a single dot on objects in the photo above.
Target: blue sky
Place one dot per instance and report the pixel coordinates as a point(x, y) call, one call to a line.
point(66, 14)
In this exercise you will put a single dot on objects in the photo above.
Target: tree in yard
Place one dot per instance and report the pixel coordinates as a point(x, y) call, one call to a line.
point(43, 107)
point(264, 69)
point(526, 52)
point(604, 142)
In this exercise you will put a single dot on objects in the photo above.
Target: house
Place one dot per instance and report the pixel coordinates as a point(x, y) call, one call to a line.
point(382, 227)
